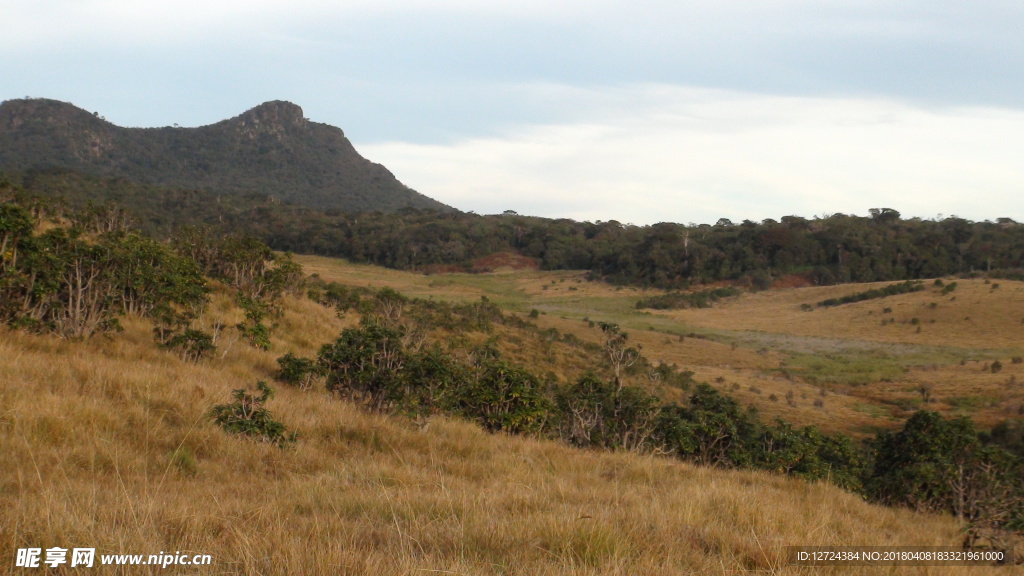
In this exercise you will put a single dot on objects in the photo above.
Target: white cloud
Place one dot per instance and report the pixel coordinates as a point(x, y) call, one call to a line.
point(696, 155)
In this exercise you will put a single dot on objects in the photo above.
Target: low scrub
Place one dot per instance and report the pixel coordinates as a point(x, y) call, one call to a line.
point(248, 416)
point(890, 290)
point(679, 300)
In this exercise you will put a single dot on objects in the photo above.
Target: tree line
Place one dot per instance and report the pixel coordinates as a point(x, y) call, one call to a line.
point(833, 249)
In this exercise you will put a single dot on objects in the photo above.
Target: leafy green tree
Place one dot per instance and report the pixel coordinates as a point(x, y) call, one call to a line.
point(585, 410)
point(252, 328)
point(809, 454)
point(714, 431)
point(431, 381)
point(501, 396)
point(364, 365)
point(15, 224)
point(915, 466)
point(192, 344)
point(297, 371)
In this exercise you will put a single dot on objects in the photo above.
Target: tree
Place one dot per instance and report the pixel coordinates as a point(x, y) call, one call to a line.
point(619, 355)
point(719, 433)
point(940, 465)
point(364, 365)
point(501, 396)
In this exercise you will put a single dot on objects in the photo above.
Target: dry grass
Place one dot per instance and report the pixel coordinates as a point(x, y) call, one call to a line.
point(973, 316)
point(842, 369)
point(106, 444)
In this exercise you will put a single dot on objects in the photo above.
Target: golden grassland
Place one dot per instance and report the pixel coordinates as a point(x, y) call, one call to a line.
point(107, 444)
point(852, 368)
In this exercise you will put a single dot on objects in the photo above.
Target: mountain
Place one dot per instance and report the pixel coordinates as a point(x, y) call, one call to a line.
point(271, 150)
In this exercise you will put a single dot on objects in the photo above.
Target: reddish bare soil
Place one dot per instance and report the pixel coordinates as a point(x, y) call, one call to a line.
point(792, 281)
point(504, 261)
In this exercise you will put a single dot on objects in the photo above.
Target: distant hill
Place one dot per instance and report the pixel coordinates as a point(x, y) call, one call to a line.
point(270, 150)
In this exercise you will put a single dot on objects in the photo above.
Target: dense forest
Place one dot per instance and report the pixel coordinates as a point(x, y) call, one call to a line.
point(74, 273)
point(828, 250)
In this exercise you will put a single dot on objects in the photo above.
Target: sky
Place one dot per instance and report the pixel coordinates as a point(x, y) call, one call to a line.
point(642, 112)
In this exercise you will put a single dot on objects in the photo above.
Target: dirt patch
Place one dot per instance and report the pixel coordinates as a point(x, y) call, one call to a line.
point(792, 281)
point(504, 261)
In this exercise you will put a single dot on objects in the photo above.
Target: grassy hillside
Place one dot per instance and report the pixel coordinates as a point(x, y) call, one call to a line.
point(108, 444)
point(843, 368)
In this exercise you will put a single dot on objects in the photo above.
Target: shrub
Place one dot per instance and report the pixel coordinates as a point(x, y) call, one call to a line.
point(595, 412)
point(364, 365)
point(503, 397)
point(253, 329)
point(296, 371)
point(192, 344)
point(257, 334)
point(248, 416)
point(890, 290)
point(676, 300)
point(996, 367)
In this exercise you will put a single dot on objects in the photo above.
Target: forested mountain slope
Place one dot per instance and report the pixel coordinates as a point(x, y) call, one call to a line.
point(272, 151)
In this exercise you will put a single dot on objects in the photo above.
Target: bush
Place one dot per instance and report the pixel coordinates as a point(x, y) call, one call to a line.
point(890, 290)
point(253, 329)
point(996, 367)
point(248, 416)
point(677, 300)
point(595, 413)
point(503, 397)
point(192, 344)
point(296, 371)
point(364, 365)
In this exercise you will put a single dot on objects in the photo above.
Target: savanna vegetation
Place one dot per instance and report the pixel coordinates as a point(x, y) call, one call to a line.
point(77, 275)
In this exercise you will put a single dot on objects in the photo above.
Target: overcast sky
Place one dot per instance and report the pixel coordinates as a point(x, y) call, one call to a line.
point(642, 111)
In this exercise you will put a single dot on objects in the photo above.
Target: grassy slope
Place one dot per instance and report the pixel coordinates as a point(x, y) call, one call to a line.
point(108, 446)
point(864, 375)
